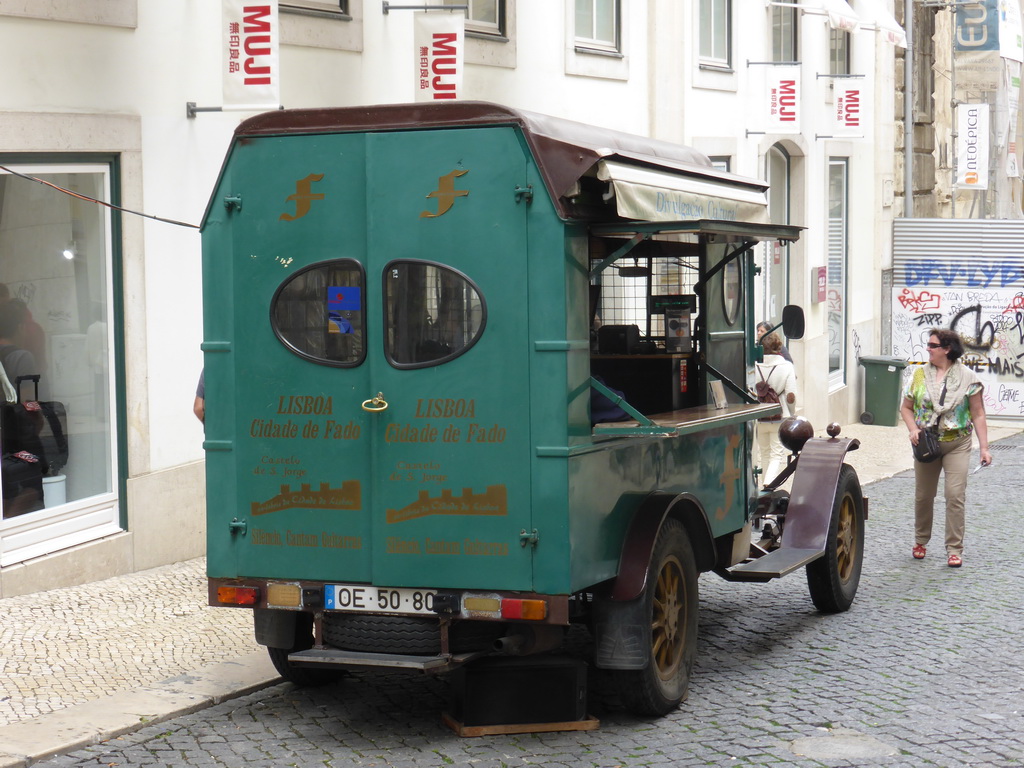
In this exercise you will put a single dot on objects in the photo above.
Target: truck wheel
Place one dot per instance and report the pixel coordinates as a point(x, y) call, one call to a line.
point(304, 677)
point(670, 629)
point(833, 579)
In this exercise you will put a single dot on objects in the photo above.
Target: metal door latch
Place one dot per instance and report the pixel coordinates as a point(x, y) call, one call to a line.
point(238, 526)
point(530, 538)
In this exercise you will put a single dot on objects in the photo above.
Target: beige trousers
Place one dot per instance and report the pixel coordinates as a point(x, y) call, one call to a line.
point(954, 465)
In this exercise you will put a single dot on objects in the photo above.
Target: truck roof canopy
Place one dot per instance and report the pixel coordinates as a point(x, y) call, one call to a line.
point(637, 167)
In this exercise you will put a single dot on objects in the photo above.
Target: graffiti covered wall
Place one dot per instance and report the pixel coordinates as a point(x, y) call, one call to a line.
point(987, 310)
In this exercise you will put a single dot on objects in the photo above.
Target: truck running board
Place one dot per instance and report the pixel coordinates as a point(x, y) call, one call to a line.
point(774, 565)
point(331, 657)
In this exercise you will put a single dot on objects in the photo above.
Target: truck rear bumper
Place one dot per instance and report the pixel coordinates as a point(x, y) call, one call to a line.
point(333, 658)
point(462, 604)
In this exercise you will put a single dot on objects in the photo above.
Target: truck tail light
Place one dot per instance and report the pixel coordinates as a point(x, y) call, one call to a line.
point(238, 595)
point(533, 610)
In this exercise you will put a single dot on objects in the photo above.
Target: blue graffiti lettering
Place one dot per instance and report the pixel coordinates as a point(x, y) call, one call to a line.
point(933, 271)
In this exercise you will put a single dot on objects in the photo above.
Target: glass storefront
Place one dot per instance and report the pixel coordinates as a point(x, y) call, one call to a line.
point(58, 435)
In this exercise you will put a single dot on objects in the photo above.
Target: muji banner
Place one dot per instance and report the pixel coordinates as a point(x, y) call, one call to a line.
point(439, 39)
point(783, 96)
point(849, 109)
point(972, 146)
point(252, 76)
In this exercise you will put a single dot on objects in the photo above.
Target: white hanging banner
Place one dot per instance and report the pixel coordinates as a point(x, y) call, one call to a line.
point(850, 107)
point(972, 146)
point(440, 44)
point(252, 75)
point(783, 96)
point(840, 14)
point(1011, 33)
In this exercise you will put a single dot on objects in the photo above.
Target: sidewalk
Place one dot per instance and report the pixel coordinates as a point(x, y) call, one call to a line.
point(80, 665)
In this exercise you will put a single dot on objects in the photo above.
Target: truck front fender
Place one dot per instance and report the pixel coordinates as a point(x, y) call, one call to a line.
point(814, 492)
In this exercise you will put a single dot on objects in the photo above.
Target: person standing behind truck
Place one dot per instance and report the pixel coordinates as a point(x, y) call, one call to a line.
point(199, 405)
point(762, 329)
point(780, 374)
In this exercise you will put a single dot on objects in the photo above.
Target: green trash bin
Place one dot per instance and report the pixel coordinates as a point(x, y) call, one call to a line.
point(882, 378)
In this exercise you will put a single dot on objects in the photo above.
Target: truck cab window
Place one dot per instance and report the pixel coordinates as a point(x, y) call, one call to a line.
point(432, 314)
point(318, 313)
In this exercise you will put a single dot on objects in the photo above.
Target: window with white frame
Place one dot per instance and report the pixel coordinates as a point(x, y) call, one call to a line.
point(597, 25)
point(838, 52)
point(838, 218)
point(785, 23)
point(484, 17)
point(58, 315)
point(331, 7)
point(721, 162)
point(715, 39)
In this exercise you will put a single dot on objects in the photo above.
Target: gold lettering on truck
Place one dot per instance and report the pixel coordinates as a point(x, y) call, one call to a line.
point(348, 496)
point(303, 197)
point(493, 501)
point(445, 194)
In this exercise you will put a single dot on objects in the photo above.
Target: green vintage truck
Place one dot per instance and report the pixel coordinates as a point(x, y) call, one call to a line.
point(476, 375)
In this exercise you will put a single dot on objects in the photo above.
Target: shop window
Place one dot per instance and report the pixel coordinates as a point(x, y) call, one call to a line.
point(483, 17)
point(57, 331)
point(837, 262)
point(597, 25)
point(715, 40)
point(432, 314)
point(775, 256)
point(318, 313)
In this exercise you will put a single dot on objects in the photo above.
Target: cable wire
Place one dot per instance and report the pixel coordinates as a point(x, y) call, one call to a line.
point(94, 200)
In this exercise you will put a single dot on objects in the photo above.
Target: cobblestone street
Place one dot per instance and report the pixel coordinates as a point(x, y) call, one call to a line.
point(924, 670)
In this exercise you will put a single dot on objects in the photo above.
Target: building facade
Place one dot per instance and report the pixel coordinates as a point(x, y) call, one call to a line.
point(117, 101)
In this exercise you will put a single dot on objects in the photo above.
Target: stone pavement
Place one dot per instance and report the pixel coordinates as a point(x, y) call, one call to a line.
point(85, 664)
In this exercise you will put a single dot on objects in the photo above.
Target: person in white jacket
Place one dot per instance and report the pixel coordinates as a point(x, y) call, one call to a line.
point(781, 376)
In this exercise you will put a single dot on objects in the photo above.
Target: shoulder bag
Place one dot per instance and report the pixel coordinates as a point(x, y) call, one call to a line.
point(927, 448)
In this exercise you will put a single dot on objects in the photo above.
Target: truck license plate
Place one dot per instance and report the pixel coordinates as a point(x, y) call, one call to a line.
point(368, 599)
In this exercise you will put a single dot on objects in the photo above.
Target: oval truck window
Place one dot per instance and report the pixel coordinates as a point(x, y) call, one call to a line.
point(432, 313)
point(319, 314)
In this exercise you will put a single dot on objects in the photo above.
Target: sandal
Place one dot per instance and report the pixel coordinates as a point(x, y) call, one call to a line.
point(919, 552)
point(954, 561)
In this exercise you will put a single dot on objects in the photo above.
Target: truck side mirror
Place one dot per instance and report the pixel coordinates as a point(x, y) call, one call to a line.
point(793, 321)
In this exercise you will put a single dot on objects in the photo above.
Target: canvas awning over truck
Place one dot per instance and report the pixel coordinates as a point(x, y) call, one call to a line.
point(652, 180)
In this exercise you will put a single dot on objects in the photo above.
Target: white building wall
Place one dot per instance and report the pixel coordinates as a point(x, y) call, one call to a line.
point(141, 60)
point(722, 107)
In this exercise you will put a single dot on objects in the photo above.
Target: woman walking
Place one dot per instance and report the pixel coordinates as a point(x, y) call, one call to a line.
point(780, 375)
point(944, 394)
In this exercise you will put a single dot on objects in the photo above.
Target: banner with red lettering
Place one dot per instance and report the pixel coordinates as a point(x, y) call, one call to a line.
point(849, 108)
point(783, 94)
point(252, 75)
point(440, 43)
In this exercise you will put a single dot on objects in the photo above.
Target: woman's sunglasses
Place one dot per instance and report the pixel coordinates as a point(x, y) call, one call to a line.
point(933, 346)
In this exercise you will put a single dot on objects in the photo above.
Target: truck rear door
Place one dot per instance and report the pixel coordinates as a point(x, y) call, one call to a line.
point(446, 244)
point(380, 360)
